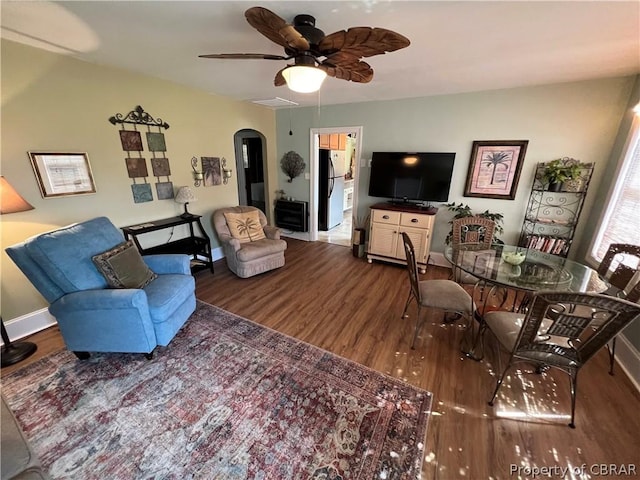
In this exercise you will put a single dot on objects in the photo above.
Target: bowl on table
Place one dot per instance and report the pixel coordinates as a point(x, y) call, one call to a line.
point(513, 258)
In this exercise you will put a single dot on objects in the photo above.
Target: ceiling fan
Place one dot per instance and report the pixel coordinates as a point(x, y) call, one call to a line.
point(315, 54)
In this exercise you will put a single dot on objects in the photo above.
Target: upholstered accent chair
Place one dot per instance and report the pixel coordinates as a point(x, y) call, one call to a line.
point(250, 245)
point(94, 313)
point(443, 294)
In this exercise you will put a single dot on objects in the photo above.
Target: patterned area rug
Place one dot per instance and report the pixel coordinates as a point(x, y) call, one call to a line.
point(227, 399)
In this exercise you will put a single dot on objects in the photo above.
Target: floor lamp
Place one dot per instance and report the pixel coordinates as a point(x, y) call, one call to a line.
point(13, 352)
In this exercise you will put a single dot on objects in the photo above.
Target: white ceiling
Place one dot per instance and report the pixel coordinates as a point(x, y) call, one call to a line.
point(455, 46)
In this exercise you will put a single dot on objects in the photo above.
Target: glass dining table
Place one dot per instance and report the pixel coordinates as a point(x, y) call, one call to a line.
point(537, 271)
point(515, 285)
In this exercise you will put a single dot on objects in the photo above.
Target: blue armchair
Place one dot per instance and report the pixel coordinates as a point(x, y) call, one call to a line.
point(93, 317)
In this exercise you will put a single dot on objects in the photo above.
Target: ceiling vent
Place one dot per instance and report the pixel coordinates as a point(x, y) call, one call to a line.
point(275, 102)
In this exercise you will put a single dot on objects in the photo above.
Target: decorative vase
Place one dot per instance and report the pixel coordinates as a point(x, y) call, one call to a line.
point(358, 242)
point(554, 186)
point(573, 185)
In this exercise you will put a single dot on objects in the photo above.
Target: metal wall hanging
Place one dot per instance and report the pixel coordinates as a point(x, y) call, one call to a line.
point(131, 141)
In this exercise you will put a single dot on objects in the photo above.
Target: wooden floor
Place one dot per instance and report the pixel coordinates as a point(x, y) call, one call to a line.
point(325, 296)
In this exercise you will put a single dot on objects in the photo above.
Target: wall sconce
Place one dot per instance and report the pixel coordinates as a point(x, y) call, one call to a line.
point(198, 176)
point(226, 172)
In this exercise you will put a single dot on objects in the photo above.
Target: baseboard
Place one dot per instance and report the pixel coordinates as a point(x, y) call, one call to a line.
point(29, 324)
point(628, 359)
point(438, 259)
point(304, 236)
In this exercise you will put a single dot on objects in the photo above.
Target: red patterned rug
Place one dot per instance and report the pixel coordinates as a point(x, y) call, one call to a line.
point(227, 399)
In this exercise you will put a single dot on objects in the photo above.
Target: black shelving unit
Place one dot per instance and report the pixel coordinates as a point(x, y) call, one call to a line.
point(196, 245)
point(551, 217)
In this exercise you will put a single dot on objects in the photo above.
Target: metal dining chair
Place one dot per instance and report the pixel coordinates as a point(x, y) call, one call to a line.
point(442, 294)
point(621, 276)
point(470, 233)
point(561, 330)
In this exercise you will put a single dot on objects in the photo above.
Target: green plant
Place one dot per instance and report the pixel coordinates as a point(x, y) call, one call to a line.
point(561, 169)
point(462, 210)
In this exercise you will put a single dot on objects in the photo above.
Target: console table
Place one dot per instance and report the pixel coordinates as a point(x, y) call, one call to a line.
point(196, 245)
point(387, 223)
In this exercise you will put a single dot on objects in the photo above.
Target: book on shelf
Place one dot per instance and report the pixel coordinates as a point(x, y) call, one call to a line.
point(545, 243)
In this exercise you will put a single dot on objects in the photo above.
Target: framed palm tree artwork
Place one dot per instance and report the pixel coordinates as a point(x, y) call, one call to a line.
point(494, 168)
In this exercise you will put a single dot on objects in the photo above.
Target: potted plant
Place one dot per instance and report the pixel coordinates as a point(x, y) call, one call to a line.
point(462, 211)
point(558, 171)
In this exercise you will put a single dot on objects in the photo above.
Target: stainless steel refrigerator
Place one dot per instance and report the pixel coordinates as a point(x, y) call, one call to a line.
point(331, 192)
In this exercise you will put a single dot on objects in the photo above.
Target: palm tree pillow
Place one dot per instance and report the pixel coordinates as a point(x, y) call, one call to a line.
point(245, 226)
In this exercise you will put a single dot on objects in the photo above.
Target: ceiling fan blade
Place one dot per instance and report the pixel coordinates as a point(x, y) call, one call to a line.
point(358, 71)
point(279, 80)
point(245, 56)
point(275, 28)
point(363, 42)
point(294, 38)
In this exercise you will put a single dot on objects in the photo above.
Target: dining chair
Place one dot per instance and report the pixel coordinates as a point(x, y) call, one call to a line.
point(441, 294)
point(471, 233)
point(555, 333)
point(623, 279)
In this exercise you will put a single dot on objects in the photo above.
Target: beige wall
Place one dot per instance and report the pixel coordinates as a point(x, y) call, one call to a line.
point(54, 103)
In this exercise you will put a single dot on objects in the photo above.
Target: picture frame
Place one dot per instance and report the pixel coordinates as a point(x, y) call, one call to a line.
point(494, 168)
point(211, 170)
point(60, 174)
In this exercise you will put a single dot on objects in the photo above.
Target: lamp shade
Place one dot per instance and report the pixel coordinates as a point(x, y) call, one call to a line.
point(304, 78)
point(185, 195)
point(10, 200)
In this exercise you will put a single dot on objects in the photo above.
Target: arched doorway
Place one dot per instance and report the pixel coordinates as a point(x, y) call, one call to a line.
point(250, 164)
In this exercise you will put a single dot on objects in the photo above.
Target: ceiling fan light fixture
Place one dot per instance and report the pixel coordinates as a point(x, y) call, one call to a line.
point(304, 78)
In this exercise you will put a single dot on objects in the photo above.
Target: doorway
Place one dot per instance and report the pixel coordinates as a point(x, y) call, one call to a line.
point(333, 191)
point(250, 165)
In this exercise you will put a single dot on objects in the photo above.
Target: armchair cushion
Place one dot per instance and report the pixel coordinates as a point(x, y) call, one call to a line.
point(260, 248)
point(122, 266)
point(245, 226)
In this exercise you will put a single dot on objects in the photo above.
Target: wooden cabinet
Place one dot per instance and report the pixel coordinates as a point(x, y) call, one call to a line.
point(324, 142)
point(333, 141)
point(385, 233)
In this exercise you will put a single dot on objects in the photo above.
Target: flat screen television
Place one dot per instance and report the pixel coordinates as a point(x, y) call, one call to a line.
point(411, 177)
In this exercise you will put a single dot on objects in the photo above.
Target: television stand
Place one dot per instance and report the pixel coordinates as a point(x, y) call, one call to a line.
point(388, 222)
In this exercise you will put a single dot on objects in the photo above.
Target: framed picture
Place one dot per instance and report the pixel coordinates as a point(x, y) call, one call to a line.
point(211, 171)
point(494, 168)
point(61, 174)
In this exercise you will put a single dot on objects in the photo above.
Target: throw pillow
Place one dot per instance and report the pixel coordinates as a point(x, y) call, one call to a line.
point(123, 267)
point(245, 226)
